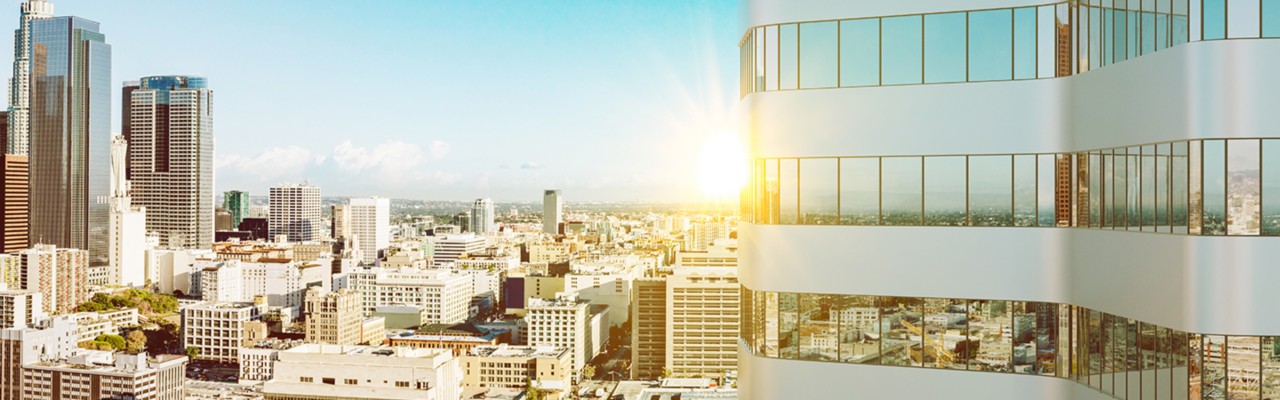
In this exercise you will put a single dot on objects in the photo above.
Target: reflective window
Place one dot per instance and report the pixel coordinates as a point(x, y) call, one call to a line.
point(1243, 367)
point(771, 57)
point(1047, 42)
point(900, 320)
point(1215, 19)
point(901, 43)
point(1195, 367)
point(944, 191)
point(990, 42)
point(769, 193)
point(788, 190)
point(758, 41)
point(1024, 190)
point(1024, 43)
point(901, 196)
point(988, 320)
point(1270, 367)
point(944, 50)
point(859, 318)
point(818, 332)
point(1271, 187)
point(1024, 332)
point(1147, 176)
point(771, 325)
point(1046, 188)
point(818, 55)
point(788, 318)
point(1270, 18)
point(818, 192)
point(1161, 186)
point(1215, 188)
point(860, 191)
point(1242, 18)
point(1178, 187)
point(1133, 361)
point(1214, 375)
point(1133, 192)
point(945, 340)
point(1243, 192)
point(990, 190)
point(788, 57)
point(1095, 190)
point(860, 52)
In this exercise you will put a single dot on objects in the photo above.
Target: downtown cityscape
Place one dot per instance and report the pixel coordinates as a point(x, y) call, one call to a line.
point(1005, 199)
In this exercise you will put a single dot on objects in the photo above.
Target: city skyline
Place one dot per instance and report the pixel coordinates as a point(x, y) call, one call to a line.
point(435, 135)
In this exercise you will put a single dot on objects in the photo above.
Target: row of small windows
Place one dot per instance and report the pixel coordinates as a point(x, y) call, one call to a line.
point(1196, 187)
point(1119, 356)
point(988, 45)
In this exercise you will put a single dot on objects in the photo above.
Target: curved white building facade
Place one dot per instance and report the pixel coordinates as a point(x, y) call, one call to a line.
point(1011, 199)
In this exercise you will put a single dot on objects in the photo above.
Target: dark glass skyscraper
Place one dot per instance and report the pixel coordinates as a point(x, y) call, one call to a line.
point(70, 134)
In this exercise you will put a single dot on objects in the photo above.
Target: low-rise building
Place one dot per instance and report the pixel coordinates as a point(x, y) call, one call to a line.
point(561, 322)
point(104, 375)
point(91, 324)
point(219, 330)
point(320, 371)
point(257, 363)
point(444, 295)
point(515, 366)
point(20, 308)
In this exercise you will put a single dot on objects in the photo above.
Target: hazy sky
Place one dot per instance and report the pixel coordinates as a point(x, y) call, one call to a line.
point(606, 100)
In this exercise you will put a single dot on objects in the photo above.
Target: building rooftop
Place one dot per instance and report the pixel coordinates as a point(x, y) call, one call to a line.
point(504, 350)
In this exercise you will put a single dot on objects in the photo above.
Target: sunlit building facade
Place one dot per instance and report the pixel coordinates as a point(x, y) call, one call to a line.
point(1070, 200)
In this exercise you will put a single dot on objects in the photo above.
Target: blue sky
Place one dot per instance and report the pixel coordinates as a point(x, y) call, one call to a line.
point(606, 100)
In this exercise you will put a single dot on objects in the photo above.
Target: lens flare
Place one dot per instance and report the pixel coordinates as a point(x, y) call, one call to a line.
point(723, 167)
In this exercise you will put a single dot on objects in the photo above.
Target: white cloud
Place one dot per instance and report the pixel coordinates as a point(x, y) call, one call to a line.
point(391, 157)
point(271, 163)
point(530, 165)
point(438, 149)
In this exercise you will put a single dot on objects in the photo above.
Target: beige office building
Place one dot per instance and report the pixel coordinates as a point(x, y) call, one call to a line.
point(103, 375)
point(703, 321)
point(515, 366)
point(648, 327)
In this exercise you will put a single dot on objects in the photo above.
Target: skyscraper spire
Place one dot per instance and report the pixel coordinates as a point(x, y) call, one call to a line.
point(19, 135)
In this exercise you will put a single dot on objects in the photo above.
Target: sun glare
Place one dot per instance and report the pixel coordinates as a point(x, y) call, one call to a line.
point(724, 167)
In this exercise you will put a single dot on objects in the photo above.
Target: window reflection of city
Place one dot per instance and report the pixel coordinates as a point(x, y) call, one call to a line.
point(1196, 187)
point(1035, 42)
point(1119, 356)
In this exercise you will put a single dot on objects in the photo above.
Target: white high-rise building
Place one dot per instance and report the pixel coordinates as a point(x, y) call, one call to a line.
point(444, 295)
point(128, 230)
point(168, 123)
point(369, 220)
point(19, 135)
point(20, 308)
point(294, 212)
point(482, 216)
point(552, 212)
point(451, 247)
point(561, 322)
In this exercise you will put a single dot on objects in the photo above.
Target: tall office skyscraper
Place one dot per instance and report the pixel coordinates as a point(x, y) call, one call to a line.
point(19, 121)
point(128, 225)
point(552, 209)
point(294, 212)
point(482, 216)
point(168, 123)
point(237, 203)
point(70, 133)
point(1049, 200)
point(370, 222)
point(15, 203)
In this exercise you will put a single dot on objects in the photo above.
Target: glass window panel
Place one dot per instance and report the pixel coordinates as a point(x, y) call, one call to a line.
point(1046, 188)
point(1214, 374)
point(1024, 43)
point(1094, 348)
point(990, 45)
point(1215, 188)
point(1095, 37)
point(1120, 41)
point(1270, 18)
point(860, 191)
point(771, 324)
point(1109, 356)
point(818, 331)
point(788, 190)
point(1178, 378)
point(1195, 182)
point(901, 196)
point(1215, 19)
point(1023, 331)
point(1108, 35)
point(1148, 353)
point(788, 316)
point(944, 191)
point(1095, 189)
point(1196, 17)
point(1242, 18)
point(1065, 341)
point(944, 49)
point(1195, 366)
point(1162, 31)
point(1271, 187)
point(1179, 178)
point(1179, 29)
point(1148, 33)
point(818, 54)
point(902, 52)
point(987, 322)
point(900, 320)
point(788, 56)
point(759, 41)
point(1270, 367)
point(1161, 160)
point(1046, 337)
point(1064, 49)
point(1147, 168)
point(1046, 42)
point(1133, 362)
point(818, 192)
point(860, 52)
point(1080, 38)
point(1133, 192)
point(945, 334)
point(771, 57)
point(1119, 188)
point(859, 318)
point(770, 193)
point(1243, 191)
point(1243, 366)
point(990, 190)
point(1024, 190)
point(1132, 27)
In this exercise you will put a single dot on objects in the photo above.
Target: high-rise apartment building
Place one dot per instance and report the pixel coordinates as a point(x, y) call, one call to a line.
point(168, 123)
point(561, 322)
point(18, 117)
point(236, 202)
point(15, 202)
point(295, 212)
point(482, 216)
point(127, 234)
point(370, 222)
point(1046, 200)
point(340, 218)
point(58, 274)
point(702, 321)
point(69, 131)
point(648, 327)
point(552, 212)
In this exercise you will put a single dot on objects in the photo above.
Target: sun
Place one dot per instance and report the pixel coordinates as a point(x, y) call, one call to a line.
point(723, 167)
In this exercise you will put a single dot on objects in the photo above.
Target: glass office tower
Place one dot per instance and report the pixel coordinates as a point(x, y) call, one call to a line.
point(1011, 199)
point(70, 134)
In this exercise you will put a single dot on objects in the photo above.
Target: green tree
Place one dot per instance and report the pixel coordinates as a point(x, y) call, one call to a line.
point(135, 341)
point(666, 373)
point(115, 341)
point(589, 371)
point(193, 352)
point(531, 392)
